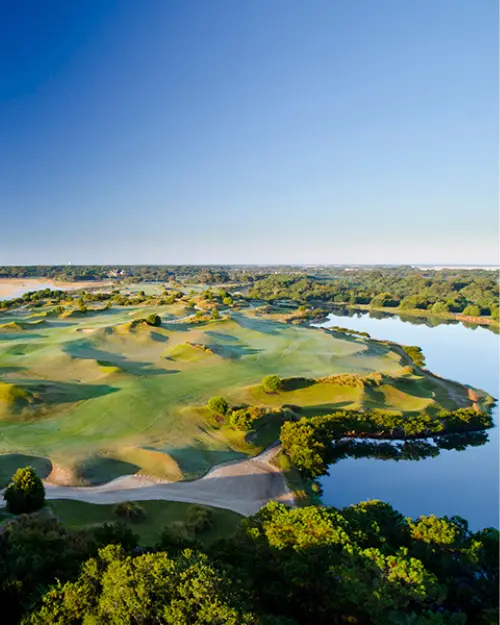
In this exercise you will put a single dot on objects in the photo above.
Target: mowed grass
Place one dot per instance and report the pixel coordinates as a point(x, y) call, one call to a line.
point(106, 389)
point(79, 514)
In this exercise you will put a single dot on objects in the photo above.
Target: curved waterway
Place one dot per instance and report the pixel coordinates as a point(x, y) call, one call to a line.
point(465, 482)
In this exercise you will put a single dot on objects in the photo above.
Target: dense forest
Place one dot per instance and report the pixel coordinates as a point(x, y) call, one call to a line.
point(363, 564)
point(471, 292)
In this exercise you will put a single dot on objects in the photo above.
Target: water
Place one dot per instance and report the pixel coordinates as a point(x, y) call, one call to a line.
point(456, 482)
point(32, 285)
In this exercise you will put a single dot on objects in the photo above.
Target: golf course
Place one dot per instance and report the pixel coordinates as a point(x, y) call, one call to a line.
point(91, 394)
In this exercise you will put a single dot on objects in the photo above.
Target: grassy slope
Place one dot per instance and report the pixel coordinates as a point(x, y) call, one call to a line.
point(112, 393)
point(77, 514)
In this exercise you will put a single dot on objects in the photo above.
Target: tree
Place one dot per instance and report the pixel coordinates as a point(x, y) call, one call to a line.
point(215, 314)
point(472, 311)
point(129, 511)
point(153, 320)
point(439, 307)
point(154, 587)
point(218, 405)
point(271, 384)
point(26, 493)
point(241, 420)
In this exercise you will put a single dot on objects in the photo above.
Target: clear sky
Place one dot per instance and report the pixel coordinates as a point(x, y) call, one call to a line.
point(172, 131)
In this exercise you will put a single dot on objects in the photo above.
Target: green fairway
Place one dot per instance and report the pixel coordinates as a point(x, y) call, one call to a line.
point(78, 514)
point(102, 394)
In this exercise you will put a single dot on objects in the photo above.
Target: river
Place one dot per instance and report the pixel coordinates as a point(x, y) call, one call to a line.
point(466, 482)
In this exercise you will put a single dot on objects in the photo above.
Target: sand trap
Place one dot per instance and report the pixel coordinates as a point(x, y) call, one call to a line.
point(242, 487)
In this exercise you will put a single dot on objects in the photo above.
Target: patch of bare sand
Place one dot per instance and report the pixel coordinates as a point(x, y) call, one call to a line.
point(243, 487)
point(61, 475)
point(8, 286)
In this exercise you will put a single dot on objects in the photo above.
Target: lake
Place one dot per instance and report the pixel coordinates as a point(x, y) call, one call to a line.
point(456, 482)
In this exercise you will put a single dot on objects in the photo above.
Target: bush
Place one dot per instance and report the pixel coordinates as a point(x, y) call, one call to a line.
point(415, 353)
point(271, 384)
point(175, 536)
point(439, 307)
point(153, 320)
point(26, 493)
point(129, 511)
point(218, 405)
point(241, 420)
point(199, 519)
point(215, 313)
point(472, 311)
point(117, 533)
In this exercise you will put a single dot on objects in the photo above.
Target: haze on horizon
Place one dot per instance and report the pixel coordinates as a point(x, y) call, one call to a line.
point(263, 132)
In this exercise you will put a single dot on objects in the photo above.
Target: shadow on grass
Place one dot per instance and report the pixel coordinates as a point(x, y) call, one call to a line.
point(177, 327)
point(10, 369)
point(22, 349)
point(295, 384)
point(9, 463)
point(55, 392)
point(269, 327)
point(84, 350)
point(100, 469)
point(159, 338)
point(219, 336)
point(14, 336)
point(322, 409)
point(195, 461)
point(232, 352)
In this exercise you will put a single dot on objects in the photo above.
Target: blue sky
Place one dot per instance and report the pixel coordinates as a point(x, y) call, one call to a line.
point(266, 131)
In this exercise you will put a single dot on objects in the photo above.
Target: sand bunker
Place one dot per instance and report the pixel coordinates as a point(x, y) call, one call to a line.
point(243, 487)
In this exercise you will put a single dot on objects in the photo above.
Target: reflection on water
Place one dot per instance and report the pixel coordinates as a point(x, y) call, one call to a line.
point(457, 474)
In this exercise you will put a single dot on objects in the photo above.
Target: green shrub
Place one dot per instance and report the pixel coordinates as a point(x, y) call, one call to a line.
point(25, 493)
point(415, 353)
point(153, 320)
point(199, 519)
point(218, 405)
point(129, 511)
point(175, 536)
point(241, 420)
point(472, 311)
point(117, 533)
point(215, 314)
point(439, 307)
point(271, 384)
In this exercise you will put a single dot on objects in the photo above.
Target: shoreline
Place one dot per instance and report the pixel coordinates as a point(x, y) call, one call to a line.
point(9, 286)
point(415, 312)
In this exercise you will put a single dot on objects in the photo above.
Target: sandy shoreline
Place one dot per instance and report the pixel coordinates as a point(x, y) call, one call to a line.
point(9, 286)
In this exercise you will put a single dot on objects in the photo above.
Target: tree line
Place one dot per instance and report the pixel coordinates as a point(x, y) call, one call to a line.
point(364, 564)
point(469, 292)
point(312, 443)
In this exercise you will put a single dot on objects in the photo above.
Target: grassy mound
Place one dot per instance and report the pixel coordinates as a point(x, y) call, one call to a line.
point(13, 399)
point(151, 462)
point(12, 326)
point(188, 352)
